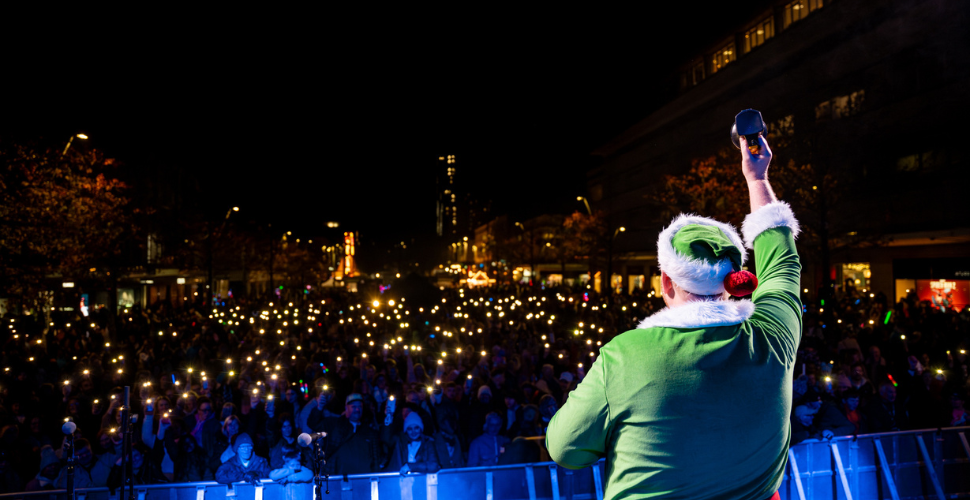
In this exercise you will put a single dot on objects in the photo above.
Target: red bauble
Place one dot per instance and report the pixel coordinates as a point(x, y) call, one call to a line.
point(740, 283)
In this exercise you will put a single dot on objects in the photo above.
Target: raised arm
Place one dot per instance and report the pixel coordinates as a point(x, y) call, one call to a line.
point(755, 169)
point(770, 230)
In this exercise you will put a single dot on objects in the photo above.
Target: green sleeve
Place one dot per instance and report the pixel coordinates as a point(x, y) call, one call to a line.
point(778, 308)
point(578, 432)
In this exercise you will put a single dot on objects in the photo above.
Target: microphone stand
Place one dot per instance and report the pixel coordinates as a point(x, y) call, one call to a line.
point(70, 468)
point(127, 479)
point(319, 465)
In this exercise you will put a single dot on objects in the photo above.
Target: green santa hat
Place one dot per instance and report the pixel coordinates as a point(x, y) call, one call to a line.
point(700, 254)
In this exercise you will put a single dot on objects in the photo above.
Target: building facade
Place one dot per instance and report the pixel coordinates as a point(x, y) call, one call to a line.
point(874, 95)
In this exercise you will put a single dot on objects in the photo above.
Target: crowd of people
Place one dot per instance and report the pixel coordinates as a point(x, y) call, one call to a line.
point(466, 378)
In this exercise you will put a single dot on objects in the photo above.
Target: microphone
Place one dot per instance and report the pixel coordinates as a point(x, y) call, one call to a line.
point(305, 439)
point(68, 428)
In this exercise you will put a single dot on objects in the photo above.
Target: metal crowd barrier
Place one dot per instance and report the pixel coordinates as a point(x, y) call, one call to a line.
point(925, 464)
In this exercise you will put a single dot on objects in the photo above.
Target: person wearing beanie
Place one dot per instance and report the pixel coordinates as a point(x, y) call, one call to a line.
point(245, 465)
point(353, 446)
point(50, 466)
point(668, 404)
point(413, 451)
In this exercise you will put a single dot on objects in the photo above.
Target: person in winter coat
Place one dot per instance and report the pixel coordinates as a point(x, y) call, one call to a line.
point(413, 451)
point(244, 465)
point(353, 446)
point(50, 466)
point(486, 449)
point(90, 471)
point(448, 444)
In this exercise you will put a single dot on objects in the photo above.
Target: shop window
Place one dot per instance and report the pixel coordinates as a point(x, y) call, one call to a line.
point(857, 275)
point(924, 161)
point(617, 283)
point(798, 10)
point(722, 57)
point(944, 295)
point(840, 106)
point(637, 282)
point(904, 288)
point(553, 279)
point(656, 284)
point(756, 36)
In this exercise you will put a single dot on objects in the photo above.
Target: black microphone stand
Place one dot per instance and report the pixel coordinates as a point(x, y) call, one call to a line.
point(127, 475)
point(70, 467)
point(319, 466)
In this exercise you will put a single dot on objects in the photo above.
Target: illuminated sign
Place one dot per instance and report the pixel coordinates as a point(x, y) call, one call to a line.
point(479, 278)
point(945, 295)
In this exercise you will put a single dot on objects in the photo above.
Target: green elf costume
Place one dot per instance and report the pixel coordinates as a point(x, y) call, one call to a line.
point(695, 402)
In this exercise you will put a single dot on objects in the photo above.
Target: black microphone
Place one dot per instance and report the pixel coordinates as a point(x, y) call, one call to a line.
point(305, 439)
point(68, 428)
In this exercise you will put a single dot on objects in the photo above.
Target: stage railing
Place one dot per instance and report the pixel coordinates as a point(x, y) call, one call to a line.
point(930, 464)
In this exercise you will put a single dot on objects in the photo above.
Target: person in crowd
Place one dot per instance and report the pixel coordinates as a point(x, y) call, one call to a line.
point(192, 461)
point(281, 436)
point(230, 429)
point(886, 413)
point(244, 465)
point(448, 444)
point(138, 468)
point(412, 450)
point(859, 380)
point(487, 448)
point(314, 415)
point(50, 467)
point(9, 479)
point(513, 415)
point(850, 410)
point(957, 414)
point(547, 409)
point(353, 446)
point(90, 471)
point(529, 423)
point(804, 428)
point(296, 479)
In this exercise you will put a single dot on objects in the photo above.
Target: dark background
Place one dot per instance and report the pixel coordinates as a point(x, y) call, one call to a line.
point(301, 122)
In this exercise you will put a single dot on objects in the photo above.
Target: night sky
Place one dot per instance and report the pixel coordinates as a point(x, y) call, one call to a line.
point(299, 126)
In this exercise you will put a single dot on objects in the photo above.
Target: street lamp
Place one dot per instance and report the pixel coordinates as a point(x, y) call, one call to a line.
point(83, 137)
point(586, 202)
point(609, 261)
point(231, 210)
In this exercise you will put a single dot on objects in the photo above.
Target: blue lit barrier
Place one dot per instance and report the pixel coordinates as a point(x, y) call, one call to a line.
point(896, 465)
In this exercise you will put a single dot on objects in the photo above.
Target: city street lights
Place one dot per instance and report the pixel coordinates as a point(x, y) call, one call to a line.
point(586, 202)
point(532, 257)
point(609, 261)
point(83, 137)
point(209, 289)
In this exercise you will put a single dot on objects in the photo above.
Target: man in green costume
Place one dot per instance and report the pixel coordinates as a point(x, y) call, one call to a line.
point(695, 402)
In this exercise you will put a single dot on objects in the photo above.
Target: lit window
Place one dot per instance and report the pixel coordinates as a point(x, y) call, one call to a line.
point(693, 76)
point(722, 57)
point(797, 10)
point(756, 36)
point(840, 106)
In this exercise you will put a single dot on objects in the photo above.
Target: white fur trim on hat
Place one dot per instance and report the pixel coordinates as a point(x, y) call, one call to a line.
point(700, 314)
point(697, 276)
point(775, 214)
